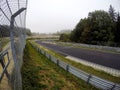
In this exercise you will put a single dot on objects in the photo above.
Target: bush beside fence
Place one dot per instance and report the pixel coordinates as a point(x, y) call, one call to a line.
point(91, 79)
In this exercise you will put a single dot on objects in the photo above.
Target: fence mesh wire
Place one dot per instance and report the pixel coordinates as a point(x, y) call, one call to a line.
point(7, 9)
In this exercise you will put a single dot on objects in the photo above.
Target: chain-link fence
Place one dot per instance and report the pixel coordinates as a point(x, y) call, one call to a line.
point(12, 42)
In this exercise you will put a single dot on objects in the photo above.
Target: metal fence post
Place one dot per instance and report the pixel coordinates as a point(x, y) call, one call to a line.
point(17, 86)
point(11, 33)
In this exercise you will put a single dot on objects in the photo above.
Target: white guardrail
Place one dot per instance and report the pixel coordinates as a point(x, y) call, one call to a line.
point(91, 79)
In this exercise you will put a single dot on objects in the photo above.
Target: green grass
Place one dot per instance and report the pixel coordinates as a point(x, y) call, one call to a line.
point(39, 73)
point(85, 68)
point(3, 42)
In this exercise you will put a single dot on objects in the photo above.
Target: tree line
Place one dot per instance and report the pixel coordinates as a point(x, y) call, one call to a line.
point(5, 31)
point(99, 28)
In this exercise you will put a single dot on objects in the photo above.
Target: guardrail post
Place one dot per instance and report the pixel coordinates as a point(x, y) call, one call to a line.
point(67, 67)
point(89, 78)
point(39, 50)
point(113, 87)
point(44, 53)
point(57, 62)
point(50, 57)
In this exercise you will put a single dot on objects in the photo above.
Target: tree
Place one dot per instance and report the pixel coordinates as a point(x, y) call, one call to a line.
point(95, 29)
point(5, 31)
point(28, 32)
point(101, 27)
point(76, 33)
point(64, 37)
point(112, 13)
point(117, 31)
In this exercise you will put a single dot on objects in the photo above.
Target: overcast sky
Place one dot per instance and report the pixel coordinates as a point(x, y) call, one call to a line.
point(48, 16)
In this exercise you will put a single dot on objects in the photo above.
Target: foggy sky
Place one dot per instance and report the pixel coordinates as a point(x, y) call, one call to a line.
point(48, 16)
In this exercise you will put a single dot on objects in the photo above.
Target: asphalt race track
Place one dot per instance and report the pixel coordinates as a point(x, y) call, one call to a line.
point(102, 58)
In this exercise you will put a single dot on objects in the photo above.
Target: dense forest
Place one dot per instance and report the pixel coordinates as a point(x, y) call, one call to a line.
point(99, 28)
point(4, 31)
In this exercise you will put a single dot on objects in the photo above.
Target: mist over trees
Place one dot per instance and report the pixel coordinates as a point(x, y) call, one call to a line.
point(99, 28)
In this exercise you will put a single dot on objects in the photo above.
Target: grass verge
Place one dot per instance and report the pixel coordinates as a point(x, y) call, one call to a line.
point(85, 68)
point(39, 73)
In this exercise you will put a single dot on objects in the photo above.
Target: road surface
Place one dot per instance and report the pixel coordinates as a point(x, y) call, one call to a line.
point(108, 59)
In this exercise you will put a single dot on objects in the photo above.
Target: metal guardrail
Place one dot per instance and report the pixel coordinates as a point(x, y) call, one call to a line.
point(91, 79)
point(4, 64)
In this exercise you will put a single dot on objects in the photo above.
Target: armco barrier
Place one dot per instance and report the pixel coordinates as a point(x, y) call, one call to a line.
point(91, 79)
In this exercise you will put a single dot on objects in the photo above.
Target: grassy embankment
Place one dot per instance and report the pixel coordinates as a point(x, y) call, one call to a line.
point(3, 43)
point(88, 69)
point(39, 73)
